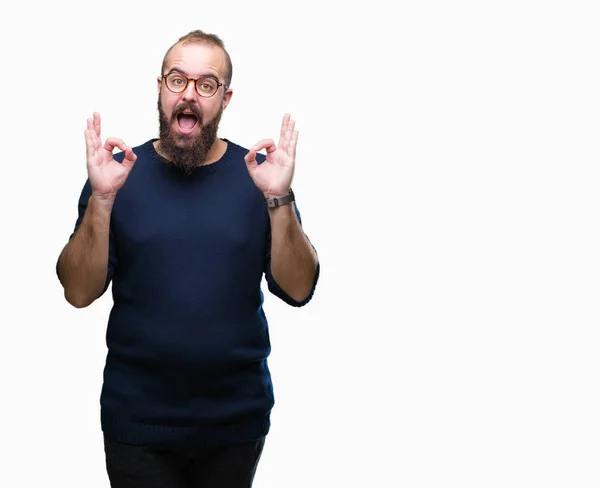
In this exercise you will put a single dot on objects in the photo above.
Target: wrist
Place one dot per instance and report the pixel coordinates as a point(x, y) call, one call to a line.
point(281, 215)
point(278, 200)
point(104, 202)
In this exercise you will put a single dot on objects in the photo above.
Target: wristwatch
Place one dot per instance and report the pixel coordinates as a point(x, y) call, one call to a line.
point(278, 202)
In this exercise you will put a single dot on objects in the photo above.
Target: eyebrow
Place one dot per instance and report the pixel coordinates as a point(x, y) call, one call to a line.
point(201, 76)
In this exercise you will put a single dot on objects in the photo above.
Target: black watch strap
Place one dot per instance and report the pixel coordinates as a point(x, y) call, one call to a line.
point(278, 202)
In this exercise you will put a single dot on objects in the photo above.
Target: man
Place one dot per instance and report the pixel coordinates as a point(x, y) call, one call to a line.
point(185, 226)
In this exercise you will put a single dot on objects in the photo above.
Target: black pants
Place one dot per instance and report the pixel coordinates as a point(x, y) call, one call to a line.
point(146, 467)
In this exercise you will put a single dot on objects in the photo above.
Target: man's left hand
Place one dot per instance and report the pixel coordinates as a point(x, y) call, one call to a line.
point(274, 176)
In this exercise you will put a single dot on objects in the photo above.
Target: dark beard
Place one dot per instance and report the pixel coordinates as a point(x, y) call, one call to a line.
point(193, 152)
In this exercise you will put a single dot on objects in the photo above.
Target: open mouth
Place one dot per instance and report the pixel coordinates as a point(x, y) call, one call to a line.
point(186, 122)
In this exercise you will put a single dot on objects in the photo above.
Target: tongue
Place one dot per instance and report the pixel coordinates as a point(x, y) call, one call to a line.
point(186, 122)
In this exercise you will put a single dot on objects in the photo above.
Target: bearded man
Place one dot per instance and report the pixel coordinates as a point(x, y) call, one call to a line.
point(184, 227)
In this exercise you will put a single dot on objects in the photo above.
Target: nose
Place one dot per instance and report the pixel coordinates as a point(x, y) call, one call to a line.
point(189, 94)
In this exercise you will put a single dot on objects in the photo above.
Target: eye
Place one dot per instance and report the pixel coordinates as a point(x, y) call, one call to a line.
point(207, 86)
point(176, 79)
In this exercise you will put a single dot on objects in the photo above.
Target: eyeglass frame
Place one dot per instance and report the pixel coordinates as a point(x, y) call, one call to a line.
point(164, 77)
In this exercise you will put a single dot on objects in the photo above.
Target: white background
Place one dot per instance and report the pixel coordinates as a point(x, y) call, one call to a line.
point(447, 173)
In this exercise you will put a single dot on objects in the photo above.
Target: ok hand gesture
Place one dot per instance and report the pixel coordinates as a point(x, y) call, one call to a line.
point(107, 176)
point(274, 176)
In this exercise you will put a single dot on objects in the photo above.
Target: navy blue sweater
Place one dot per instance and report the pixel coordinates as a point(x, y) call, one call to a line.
point(187, 335)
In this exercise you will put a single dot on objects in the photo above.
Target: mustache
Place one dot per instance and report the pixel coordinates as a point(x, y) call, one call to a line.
point(187, 106)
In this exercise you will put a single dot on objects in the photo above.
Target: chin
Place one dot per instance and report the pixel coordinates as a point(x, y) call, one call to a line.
point(185, 139)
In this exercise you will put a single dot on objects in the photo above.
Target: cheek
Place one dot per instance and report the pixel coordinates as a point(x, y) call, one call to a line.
point(167, 105)
point(209, 110)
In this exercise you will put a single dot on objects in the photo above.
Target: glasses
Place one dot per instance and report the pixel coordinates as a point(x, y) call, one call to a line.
point(206, 86)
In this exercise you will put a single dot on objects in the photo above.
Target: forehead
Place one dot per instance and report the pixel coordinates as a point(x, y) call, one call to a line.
point(196, 58)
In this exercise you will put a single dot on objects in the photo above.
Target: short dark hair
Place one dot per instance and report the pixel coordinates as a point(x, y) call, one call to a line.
point(210, 39)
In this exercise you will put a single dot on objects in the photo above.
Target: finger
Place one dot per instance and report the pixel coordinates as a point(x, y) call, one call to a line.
point(290, 130)
point(96, 143)
point(267, 144)
point(291, 149)
point(113, 142)
point(251, 156)
point(129, 159)
point(284, 123)
point(250, 159)
point(97, 123)
point(89, 144)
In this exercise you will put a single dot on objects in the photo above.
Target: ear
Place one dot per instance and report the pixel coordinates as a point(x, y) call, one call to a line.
point(227, 98)
point(158, 83)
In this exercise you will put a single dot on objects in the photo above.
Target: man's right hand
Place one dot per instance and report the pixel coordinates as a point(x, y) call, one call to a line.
point(106, 175)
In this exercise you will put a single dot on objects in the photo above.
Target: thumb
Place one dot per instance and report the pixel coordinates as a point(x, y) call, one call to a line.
point(129, 159)
point(250, 159)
